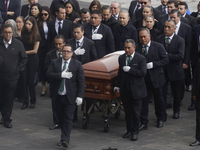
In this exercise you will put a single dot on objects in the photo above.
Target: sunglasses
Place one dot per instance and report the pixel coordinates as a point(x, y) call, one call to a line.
point(44, 14)
point(143, 3)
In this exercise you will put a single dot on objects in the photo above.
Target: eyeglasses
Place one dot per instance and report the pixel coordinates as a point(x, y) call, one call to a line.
point(143, 3)
point(45, 14)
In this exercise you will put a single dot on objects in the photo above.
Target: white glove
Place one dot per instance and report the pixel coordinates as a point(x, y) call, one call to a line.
point(79, 51)
point(126, 68)
point(79, 101)
point(97, 36)
point(150, 65)
point(116, 89)
point(67, 75)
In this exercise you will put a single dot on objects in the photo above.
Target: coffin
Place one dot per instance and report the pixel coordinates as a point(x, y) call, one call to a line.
point(100, 76)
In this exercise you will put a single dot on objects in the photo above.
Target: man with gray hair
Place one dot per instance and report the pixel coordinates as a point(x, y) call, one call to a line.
point(156, 58)
point(130, 83)
point(124, 30)
point(115, 9)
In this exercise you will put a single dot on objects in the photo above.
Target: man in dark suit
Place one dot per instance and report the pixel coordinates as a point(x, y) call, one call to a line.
point(10, 9)
point(58, 26)
point(83, 47)
point(108, 19)
point(100, 34)
point(13, 61)
point(1, 20)
point(196, 97)
point(171, 4)
point(134, 6)
point(124, 30)
point(144, 3)
point(130, 82)
point(59, 42)
point(163, 7)
point(183, 7)
point(174, 73)
point(184, 31)
point(156, 58)
point(55, 3)
point(84, 17)
point(196, 14)
point(68, 82)
point(115, 9)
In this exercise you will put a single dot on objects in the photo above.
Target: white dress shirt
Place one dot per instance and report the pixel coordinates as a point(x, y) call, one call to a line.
point(80, 42)
point(67, 65)
point(7, 44)
point(45, 27)
point(177, 27)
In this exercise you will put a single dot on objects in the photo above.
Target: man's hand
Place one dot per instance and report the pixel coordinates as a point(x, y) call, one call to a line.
point(116, 89)
point(185, 66)
point(76, 20)
point(10, 13)
point(126, 68)
point(67, 75)
point(79, 101)
point(79, 51)
point(150, 65)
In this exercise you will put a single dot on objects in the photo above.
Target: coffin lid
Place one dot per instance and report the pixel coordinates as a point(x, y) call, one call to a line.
point(104, 68)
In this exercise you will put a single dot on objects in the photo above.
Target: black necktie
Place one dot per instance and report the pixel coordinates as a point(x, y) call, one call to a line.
point(128, 60)
point(77, 44)
point(137, 7)
point(59, 28)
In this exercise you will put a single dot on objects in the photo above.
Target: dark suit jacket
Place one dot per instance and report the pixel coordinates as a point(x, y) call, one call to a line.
point(185, 31)
point(192, 21)
point(24, 10)
point(67, 31)
point(159, 8)
point(158, 56)
point(194, 14)
point(156, 13)
point(154, 34)
point(55, 3)
point(122, 33)
point(163, 18)
point(90, 50)
point(111, 22)
point(75, 86)
point(131, 9)
point(175, 50)
point(106, 44)
point(196, 82)
point(1, 20)
point(49, 57)
point(136, 74)
point(14, 5)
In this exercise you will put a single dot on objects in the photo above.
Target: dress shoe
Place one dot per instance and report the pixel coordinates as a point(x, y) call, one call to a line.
point(127, 135)
point(160, 124)
point(7, 124)
point(64, 144)
point(55, 126)
point(134, 137)
point(143, 127)
point(191, 107)
point(176, 115)
point(1, 121)
point(195, 143)
point(32, 106)
point(24, 106)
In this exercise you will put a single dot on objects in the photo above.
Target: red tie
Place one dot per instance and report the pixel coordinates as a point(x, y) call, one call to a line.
point(6, 5)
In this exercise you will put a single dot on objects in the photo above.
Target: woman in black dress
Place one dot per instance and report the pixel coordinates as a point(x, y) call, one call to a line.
point(71, 13)
point(150, 22)
point(30, 37)
point(45, 17)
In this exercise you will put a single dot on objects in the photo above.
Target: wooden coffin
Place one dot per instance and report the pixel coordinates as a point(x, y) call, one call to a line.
point(100, 76)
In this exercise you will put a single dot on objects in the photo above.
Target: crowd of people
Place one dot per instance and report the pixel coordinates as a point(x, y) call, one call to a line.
point(50, 45)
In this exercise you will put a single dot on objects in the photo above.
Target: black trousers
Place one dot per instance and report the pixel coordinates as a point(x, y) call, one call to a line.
point(198, 120)
point(65, 112)
point(158, 103)
point(7, 94)
point(176, 88)
point(132, 109)
point(28, 75)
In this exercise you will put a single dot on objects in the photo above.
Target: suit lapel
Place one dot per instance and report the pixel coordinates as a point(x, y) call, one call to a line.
point(54, 28)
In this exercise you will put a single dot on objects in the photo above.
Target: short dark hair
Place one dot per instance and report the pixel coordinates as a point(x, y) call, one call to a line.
point(58, 7)
point(84, 11)
point(173, 11)
point(145, 29)
point(60, 37)
point(106, 7)
point(170, 20)
point(79, 26)
point(130, 41)
point(98, 12)
point(173, 1)
point(6, 26)
point(67, 45)
point(184, 3)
